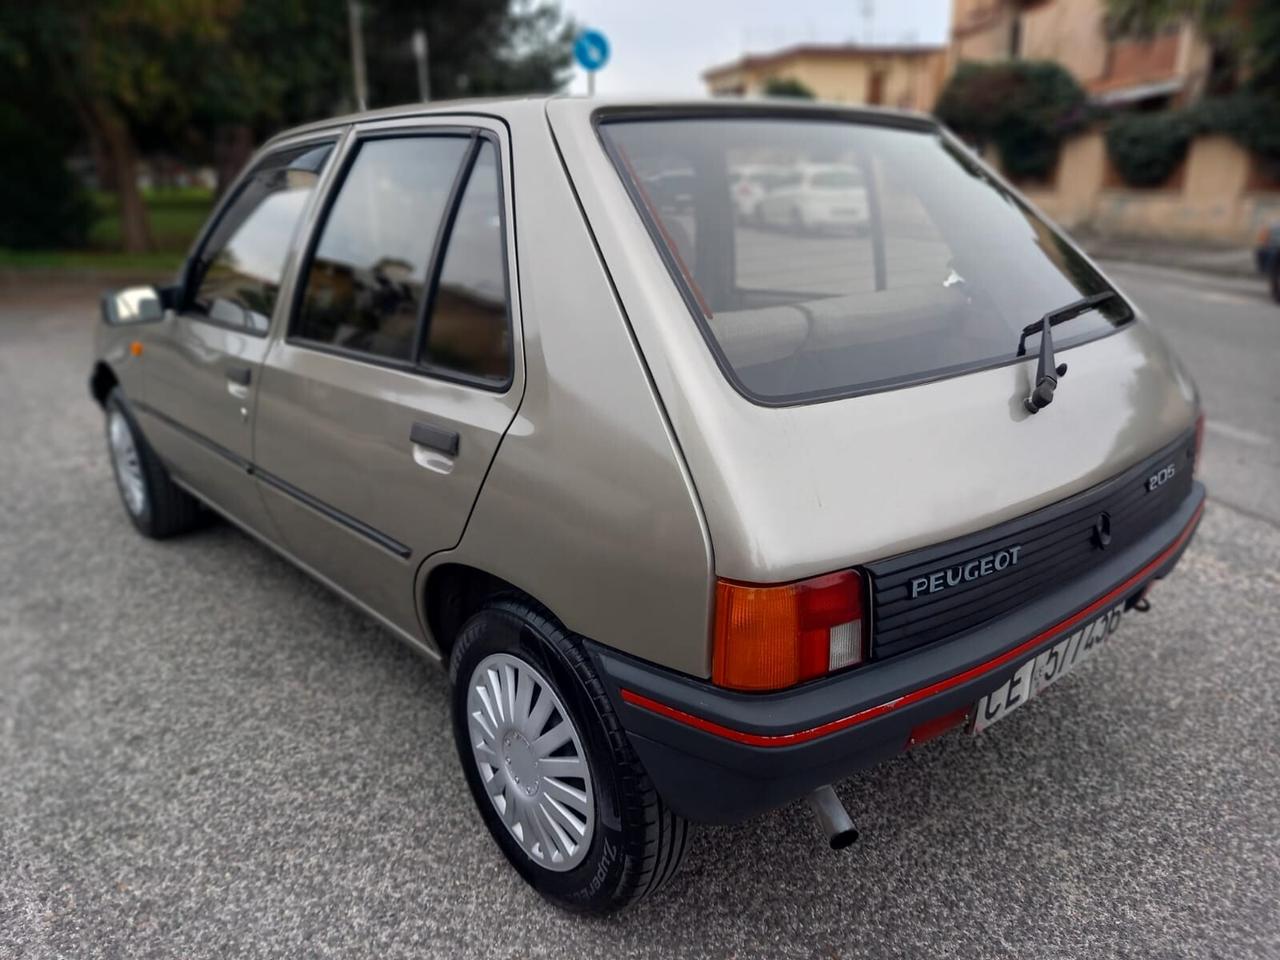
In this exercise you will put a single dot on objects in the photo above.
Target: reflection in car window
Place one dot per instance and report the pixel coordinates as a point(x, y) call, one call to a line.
point(468, 331)
point(240, 267)
point(826, 257)
point(365, 285)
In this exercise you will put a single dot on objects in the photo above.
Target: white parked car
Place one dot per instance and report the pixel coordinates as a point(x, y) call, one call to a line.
point(816, 196)
point(750, 183)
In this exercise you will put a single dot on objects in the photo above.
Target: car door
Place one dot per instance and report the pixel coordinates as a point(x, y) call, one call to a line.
point(201, 361)
point(380, 411)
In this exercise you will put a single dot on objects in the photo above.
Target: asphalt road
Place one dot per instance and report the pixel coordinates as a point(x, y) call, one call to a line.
point(203, 754)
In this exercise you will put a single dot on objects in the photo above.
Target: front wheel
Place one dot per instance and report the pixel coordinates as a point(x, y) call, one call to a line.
point(157, 506)
point(1275, 278)
point(550, 769)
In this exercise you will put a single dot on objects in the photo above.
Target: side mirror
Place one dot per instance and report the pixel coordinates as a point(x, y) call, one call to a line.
point(132, 305)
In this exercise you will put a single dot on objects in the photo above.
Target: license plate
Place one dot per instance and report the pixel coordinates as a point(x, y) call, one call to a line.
point(1045, 669)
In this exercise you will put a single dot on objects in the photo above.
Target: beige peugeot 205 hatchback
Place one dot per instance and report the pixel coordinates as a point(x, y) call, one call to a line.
point(703, 510)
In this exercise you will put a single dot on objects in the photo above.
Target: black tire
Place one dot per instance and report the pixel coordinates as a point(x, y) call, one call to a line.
point(637, 842)
point(167, 510)
point(1275, 278)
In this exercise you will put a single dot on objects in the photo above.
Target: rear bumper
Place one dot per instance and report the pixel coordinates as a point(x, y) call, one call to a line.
point(717, 756)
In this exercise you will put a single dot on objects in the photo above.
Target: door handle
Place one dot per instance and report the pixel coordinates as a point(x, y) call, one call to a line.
point(238, 379)
point(436, 438)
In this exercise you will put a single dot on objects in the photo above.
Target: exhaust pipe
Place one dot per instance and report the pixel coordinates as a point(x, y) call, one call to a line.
point(832, 817)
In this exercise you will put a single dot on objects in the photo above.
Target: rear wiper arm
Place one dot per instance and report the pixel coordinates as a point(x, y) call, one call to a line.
point(1047, 371)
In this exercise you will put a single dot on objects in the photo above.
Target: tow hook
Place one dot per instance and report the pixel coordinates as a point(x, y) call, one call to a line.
point(1140, 602)
point(832, 817)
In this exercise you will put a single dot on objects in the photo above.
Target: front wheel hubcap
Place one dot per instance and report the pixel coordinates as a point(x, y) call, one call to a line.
point(531, 761)
point(128, 468)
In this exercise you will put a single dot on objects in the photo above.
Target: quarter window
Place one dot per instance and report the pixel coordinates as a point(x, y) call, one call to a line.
point(237, 275)
point(367, 280)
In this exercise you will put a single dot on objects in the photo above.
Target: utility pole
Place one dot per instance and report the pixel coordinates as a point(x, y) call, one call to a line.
point(354, 15)
point(420, 55)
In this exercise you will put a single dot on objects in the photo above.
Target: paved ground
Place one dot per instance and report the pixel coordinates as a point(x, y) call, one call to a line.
point(202, 754)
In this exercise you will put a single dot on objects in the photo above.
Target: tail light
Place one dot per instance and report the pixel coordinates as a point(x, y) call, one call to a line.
point(770, 637)
point(1199, 442)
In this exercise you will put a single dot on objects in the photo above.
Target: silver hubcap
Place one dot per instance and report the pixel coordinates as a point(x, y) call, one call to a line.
point(531, 761)
point(124, 454)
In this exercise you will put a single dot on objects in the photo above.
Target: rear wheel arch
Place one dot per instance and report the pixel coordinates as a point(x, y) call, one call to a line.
point(455, 591)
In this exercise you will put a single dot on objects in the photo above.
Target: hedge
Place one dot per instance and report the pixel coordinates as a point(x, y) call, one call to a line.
point(1024, 107)
point(1146, 148)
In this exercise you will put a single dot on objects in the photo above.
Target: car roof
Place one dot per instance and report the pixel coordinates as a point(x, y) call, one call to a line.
point(507, 106)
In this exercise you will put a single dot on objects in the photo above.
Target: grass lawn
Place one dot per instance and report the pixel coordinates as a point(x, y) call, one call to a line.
point(176, 217)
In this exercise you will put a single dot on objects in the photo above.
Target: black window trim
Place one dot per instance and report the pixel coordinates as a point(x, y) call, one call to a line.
point(186, 297)
point(435, 263)
point(622, 115)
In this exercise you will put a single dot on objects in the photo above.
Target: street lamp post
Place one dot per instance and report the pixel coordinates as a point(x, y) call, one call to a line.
point(354, 16)
point(420, 56)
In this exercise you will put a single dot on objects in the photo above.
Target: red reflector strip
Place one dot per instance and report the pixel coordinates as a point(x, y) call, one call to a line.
point(915, 696)
point(932, 729)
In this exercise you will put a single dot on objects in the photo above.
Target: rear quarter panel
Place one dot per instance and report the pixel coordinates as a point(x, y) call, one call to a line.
point(588, 506)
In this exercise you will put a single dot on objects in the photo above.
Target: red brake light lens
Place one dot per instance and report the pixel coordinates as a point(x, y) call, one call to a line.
point(771, 637)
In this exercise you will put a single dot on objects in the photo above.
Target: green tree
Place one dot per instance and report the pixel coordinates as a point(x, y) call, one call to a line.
point(787, 87)
point(207, 79)
point(112, 63)
point(477, 48)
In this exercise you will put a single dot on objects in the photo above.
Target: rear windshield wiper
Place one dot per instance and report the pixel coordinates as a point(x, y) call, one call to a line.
point(1047, 371)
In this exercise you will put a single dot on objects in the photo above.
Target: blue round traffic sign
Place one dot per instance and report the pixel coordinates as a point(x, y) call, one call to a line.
point(591, 50)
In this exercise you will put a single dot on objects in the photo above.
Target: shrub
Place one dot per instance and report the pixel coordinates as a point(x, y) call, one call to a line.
point(1252, 120)
point(787, 87)
point(1146, 148)
point(1024, 107)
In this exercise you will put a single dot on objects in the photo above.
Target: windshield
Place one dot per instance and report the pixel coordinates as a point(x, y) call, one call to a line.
point(870, 257)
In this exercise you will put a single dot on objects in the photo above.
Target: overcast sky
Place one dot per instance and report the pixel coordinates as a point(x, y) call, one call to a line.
point(662, 46)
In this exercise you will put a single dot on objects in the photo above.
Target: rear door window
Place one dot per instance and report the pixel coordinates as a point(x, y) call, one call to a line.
point(410, 266)
point(861, 257)
point(366, 285)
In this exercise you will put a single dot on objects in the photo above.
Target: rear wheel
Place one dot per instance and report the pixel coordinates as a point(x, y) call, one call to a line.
point(155, 504)
point(1275, 278)
point(550, 768)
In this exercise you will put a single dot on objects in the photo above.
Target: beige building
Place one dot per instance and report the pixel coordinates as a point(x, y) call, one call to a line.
point(1172, 68)
point(1220, 194)
point(903, 76)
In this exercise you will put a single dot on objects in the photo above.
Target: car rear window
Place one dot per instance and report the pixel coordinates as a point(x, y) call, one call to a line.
point(828, 258)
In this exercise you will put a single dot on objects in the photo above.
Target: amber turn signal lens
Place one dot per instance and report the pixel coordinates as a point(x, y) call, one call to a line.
point(135, 348)
point(772, 637)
